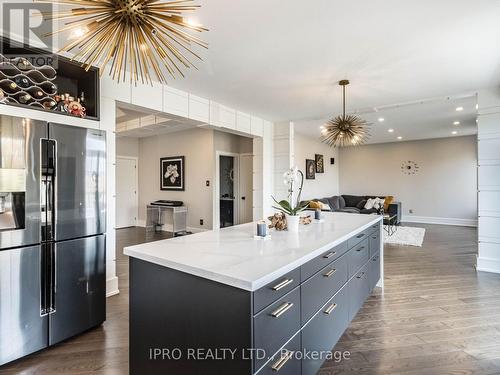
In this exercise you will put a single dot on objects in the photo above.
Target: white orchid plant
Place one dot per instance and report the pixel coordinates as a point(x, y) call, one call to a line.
point(291, 177)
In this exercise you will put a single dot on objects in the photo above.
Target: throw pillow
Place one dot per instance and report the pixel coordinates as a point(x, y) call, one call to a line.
point(378, 203)
point(369, 203)
point(314, 204)
point(334, 203)
point(388, 200)
point(324, 206)
point(341, 202)
point(361, 204)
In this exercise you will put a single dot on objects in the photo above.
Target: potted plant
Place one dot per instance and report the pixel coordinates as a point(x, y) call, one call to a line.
point(290, 209)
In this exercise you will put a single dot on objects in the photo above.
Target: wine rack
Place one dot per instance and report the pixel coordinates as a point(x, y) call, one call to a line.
point(37, 79)
point(23, 83)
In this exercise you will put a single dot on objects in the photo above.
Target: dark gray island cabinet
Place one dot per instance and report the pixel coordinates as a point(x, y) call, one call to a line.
point(184, 322)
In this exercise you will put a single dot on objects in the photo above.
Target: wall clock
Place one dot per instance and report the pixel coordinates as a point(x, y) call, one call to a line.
point(409, 167)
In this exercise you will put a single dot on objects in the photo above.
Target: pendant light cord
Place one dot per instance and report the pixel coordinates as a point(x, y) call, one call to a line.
point(343, 101)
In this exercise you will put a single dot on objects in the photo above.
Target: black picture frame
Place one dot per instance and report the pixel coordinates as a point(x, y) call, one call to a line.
point(310, 169)
point(169, 181)
point(320, 163)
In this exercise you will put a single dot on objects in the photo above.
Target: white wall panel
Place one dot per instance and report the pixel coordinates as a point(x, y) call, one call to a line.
point(149, 96)
point(199, 108)
point(175, 101)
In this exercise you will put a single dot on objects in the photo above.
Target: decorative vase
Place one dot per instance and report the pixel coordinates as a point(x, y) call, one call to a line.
point(292, 223)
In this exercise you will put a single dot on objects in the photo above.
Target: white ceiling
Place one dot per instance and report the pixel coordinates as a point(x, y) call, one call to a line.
point(422, 120)
point(282, 59)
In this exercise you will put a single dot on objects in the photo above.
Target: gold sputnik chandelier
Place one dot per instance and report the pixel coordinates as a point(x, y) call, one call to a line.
point(138, 36)
point(345, 130)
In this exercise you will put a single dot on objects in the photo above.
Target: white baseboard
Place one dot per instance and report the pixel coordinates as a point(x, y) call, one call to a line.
point(488, 265)
point(112, 286)
point(439, 220)
point(168, 227)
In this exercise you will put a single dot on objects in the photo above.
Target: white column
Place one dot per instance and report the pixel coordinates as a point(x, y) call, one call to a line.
point(108, 120)
point(263, 172)
point(283, 144)
point(489, 191)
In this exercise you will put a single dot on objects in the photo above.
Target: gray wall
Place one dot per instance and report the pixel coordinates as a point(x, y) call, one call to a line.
point(127, 146)
point(197, 147)
point(325, 184)
point(445, 186)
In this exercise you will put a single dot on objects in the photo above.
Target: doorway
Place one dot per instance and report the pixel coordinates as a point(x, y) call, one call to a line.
point(233, 189)
point(126, 192)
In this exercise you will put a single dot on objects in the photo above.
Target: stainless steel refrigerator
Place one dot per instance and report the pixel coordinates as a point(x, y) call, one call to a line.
point(52, 242)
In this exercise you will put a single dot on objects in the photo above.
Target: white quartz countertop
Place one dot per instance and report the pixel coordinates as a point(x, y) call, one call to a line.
point(232, 256)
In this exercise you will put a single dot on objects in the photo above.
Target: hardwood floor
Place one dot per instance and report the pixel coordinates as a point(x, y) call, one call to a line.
point(436, 316)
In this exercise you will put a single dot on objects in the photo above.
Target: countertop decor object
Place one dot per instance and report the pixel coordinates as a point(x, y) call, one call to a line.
point(345, 129)
point(150, 37)
point(278, 221)
point(287, 206)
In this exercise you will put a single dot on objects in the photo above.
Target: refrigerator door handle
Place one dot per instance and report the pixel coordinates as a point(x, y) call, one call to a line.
point(53, 278)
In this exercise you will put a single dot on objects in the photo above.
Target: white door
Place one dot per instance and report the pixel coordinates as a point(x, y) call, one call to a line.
point(246, 189)
point(126, 192)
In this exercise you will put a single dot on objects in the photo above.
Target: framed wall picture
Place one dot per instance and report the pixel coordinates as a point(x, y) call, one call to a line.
point(172, 173)
point(320, 163)
point(310, 169)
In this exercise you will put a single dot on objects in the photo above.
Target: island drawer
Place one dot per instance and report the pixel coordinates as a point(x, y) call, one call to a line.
point(324, 330)
point(319, 288)
point(274, 325)
point(274, 290)
point(314, 265)
point(375, 227)
point(285, 361)
point(374, 241)
point(358, 255)
point(359, 289)
point(374, 270)
point(357, 238)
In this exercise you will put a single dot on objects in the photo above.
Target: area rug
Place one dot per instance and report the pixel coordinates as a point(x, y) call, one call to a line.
point(408, 236)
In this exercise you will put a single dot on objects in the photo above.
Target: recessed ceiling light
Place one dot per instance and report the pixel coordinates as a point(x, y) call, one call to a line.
point(456, 123)
point(477, 105)
point(459, 109)
point(381, 119)
point(454, 132)
point(391, 130)
point(400, 138)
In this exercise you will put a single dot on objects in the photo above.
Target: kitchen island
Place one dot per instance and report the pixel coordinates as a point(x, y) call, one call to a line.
point(221, 302)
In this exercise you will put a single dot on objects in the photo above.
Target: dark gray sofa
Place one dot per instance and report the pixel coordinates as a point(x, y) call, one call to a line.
point(355, 204)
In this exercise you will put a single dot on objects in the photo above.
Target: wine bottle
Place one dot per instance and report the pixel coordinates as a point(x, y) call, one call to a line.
point(36, 92)
point(23, 97)
point(22, 82)
point(48, 87)
point(49, 103)
point(8, 86)
point(21, 63)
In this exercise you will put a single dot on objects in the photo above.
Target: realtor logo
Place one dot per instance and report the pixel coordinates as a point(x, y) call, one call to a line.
point(24, 27)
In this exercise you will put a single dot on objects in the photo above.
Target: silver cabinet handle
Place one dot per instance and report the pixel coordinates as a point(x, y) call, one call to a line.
point(330, 309)
point(330, 273)
point(282, 284)
point(361, 248)
point(360, 235)
point(360, 276)
point(281, 362)
point(329, 255)
point(281, 310)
